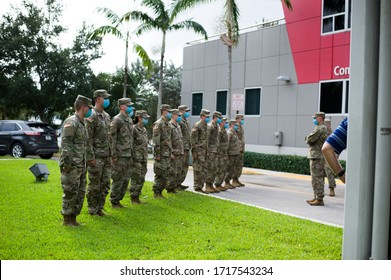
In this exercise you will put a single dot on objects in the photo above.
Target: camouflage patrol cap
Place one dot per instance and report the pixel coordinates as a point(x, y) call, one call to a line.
point(224, 120)
point(217, 114)
point(85, 100)
point(239, 116)
point(184, 108)
point(101, 93)
point(125, 101)
point(142, 113)
point(205, 112)
point(327, 121)
point(319, 114)
point(176, 112)
point(232, 122)
point(165, 107)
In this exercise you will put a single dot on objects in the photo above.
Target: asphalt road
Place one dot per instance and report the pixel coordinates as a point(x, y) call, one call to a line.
point(280, 192)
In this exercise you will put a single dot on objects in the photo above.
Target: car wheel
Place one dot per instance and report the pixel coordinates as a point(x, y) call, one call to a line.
point(46, 156)
point(17, 150)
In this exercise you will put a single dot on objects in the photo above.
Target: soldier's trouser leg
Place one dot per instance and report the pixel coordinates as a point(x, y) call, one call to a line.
point(173, 180)
point(232, 167)
point(317, 177)
point(199, 167)
point(240, 164)
point(211, 164)
point(330, 176)
point(99, 184)
point(184, 166)
point(73, 183)
point(120, 177)
point(221, 169)
point(161, 169)
point(139, 170)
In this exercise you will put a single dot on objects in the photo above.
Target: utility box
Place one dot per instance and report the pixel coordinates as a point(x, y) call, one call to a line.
point(40, 171)
point(278, 138)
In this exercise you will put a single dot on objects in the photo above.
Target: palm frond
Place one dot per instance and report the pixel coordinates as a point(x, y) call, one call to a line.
point(190, 25)
point(146, 61)
point(288, 4)
point(104, 30)
point(232, 14)
point(110, 15)
point(156, 5)
point(181, 5)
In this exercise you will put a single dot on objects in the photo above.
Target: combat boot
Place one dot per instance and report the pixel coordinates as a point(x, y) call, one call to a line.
point(171, 191)
point(220, 188)
point(135, 200)
point(235, 183)
point(183, 187)
point(241, 184)
point(74, 222)
point(311, 200)
point(116, 205)
point(228, 185)
point(317, 202)
point(100, 213)
point(210, 189)
point(67, 221)
point(158, 195)
point(332, 192)
point(198, 189)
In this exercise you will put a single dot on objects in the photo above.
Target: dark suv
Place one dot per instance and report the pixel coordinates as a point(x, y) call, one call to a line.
point(21, 138)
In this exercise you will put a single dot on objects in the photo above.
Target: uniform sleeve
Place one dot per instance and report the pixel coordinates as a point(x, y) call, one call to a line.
point(194, 138)
point(311, 138)
point(68, 135)
point(157, 132)
point(113, 134)
point(90, 127)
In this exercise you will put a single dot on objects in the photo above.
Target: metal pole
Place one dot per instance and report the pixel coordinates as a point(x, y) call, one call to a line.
point(361, 129)
point(381, 204)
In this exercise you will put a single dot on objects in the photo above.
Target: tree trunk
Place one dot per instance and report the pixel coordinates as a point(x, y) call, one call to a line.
point(160, 97)
point(126, 65)
point(229, 82)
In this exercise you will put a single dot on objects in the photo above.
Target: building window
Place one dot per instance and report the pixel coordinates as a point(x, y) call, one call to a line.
point(196, 104)
point(334, 97)
point(221, 101)
point(252, 101)
point(336, 15)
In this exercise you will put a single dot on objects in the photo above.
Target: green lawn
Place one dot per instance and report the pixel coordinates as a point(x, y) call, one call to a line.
point(184, 226)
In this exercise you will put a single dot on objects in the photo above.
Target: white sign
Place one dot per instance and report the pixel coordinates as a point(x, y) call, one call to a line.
point(238, 102)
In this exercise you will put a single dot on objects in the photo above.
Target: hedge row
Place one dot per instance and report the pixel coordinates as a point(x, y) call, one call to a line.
point(281, 163)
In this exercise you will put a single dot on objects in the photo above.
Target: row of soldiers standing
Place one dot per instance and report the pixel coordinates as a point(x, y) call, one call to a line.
point(117, 150)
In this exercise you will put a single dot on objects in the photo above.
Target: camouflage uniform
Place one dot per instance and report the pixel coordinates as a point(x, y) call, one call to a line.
point(185, 128)
point(234, 148)
point(72, 165)
point(213, 131)
point(121, 129)
point(162, 152)
point(222, 156)
point(177, 150)
point(240, 117)
point(140, 158)
point(98, 150)
point(315, 140)
point(199, 145)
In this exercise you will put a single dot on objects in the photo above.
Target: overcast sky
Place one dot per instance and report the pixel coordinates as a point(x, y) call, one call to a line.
point(75, 11)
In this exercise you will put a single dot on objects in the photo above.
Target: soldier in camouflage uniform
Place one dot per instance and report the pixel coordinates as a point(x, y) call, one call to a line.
point(72, 161)
point(329, 173)
point(121, 129)
point(222, 155)
point(173, 181)
point(139, 155)
point(98, 154)
point(185, 128)
point(315, 140)
point(211, 159)
point(240, 121)
point(162, 150)
point(234, 147)
point(199, 145)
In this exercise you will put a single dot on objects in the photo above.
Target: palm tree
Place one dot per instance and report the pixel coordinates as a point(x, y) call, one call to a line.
point(121, 31)
point(164, 21)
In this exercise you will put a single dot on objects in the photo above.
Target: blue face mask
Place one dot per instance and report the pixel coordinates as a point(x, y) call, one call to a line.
point(88, 113)
point(179, 119)
point(129, 110)
point(218, 121)
point(242, 122)
point(236, 127)
point(315, 122)
point(106, 103)
point(145, 121)
point(207, 119)
point(169, 115)
point(225, 125)
point(186, 114)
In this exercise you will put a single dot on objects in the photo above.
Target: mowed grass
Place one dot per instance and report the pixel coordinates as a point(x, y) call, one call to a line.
point(184, 226)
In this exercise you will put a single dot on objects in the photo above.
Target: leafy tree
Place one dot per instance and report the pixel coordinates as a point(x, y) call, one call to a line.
point(38, 78)
point(119, 29)
point(164, 19)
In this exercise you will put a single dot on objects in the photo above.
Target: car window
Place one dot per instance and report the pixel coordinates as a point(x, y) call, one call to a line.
point(10, 127)
point(40, 127)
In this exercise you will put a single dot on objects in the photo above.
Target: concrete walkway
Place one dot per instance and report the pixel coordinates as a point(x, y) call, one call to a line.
point(280, 192)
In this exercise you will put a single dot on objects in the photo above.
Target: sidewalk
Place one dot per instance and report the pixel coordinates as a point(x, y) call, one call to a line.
point(280, 192)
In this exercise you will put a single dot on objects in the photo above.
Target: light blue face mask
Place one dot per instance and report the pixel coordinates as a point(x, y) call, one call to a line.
point(186, 114)
point(106, 103)
point(242, 122)
point(169, 115)
point(179, 119)
point(236, 127)
point(88, 113)
point(218, 121)
point(129, 110)
point(315, 122)
point(145, 121)
point(207, 119)
point(225, 125)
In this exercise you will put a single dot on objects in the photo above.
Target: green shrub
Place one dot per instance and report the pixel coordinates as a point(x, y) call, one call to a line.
point(283, 163)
